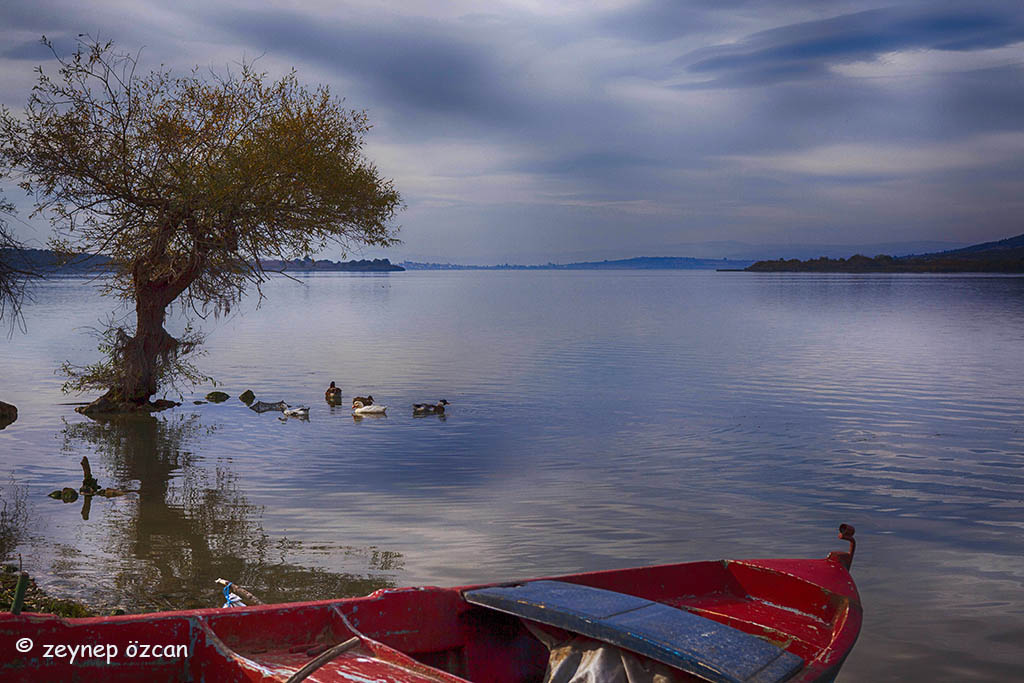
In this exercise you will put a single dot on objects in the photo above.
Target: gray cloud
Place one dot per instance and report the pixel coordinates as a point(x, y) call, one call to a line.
point(33, 51)
point(804, 50)
point(523, 134)
point(404, 65)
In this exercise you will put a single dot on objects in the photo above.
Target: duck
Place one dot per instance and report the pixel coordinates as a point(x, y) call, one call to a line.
point(365, 400)
point(300, 411)
point(373, 409)
point(333, 393)
point(429, 409)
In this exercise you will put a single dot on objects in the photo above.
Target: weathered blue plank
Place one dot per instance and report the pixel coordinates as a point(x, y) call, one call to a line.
point(697, 645)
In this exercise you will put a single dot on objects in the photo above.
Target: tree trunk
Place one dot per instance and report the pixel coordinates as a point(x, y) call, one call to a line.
point(141, 356)
point(144, 358)
point(146, 350)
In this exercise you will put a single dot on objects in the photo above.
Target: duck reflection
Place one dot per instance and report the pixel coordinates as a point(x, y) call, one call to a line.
point(192, 523)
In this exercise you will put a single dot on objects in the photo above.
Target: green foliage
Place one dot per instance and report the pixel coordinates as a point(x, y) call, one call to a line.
point(173, 369)
point(35, 599)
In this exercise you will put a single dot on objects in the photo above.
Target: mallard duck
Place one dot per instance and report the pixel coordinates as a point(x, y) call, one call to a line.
point(359, 409)
point(300, 411)
point(428, 409)
point(333, 393)
point(365, 400)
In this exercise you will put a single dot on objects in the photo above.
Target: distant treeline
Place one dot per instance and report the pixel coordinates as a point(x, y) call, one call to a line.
point(306, 265)
point(639, 263)
point(1004, 256)
point(45, 262)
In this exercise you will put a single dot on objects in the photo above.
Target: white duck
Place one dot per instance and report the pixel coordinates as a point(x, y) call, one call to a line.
point(373, 409)
point(300, 411)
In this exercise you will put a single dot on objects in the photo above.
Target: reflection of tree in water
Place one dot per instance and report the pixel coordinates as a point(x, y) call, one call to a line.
point(14, 517)
point(190, 526)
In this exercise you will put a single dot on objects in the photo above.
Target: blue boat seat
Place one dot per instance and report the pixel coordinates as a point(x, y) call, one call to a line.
point(686, 641)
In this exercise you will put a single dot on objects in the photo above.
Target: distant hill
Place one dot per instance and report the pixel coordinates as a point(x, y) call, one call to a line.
point(1009, 247)
point(1003, 256)
point(639, 263)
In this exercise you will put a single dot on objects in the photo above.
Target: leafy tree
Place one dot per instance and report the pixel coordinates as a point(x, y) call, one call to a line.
point(188, 182)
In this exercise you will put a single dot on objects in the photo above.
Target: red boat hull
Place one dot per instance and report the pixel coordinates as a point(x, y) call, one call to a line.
point(809, 608)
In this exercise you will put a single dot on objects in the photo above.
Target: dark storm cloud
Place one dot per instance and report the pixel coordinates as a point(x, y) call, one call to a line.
point(983, 99)
point(595, 163)
point(806, 49)
point(422, 67)
point(32, 50)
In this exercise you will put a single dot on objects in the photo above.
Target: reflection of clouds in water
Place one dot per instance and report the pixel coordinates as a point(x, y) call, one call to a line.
point(928, 606)
point(609, 419)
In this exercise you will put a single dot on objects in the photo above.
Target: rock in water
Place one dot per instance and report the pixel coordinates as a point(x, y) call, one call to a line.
point(67, 494)
point(8, 414)
point(247, 397)
point(217, 397)
point(262, 407)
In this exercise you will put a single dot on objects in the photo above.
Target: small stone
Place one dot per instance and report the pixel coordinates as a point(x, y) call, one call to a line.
point(247, 397)
point(262, 407)
point(199, 403)
point(217, 397)
point(68, 494)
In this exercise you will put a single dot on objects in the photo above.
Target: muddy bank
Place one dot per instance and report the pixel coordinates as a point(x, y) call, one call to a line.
point(35, 599)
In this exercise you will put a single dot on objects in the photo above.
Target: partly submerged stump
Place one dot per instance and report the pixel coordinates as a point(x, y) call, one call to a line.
point(89, 484)
point(90, 487)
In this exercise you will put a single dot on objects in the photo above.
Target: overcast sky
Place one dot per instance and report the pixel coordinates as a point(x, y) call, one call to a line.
point(542, 130)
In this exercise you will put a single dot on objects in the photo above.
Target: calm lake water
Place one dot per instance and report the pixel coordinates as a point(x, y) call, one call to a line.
point(597, 420)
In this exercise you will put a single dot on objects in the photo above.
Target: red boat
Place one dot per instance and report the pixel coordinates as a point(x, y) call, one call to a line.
point(727, 620)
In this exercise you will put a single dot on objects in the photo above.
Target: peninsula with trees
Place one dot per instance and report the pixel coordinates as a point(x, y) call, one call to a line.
point(1002, 256)
point(49, 262)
